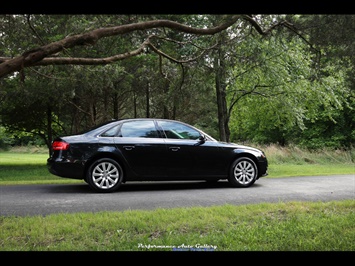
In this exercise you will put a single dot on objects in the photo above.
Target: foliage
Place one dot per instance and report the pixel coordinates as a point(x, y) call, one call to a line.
point(275, 97)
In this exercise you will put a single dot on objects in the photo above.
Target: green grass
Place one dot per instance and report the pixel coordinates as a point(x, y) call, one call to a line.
point(292, 226)
point(27, 168)
point(287, 170)
point(16, 158)
point(280, 226)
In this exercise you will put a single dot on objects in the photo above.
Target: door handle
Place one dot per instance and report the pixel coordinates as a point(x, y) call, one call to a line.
point(174, 148)
point(128, 148)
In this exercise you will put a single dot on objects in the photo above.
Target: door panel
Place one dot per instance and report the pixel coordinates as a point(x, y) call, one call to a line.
point(188, 158)
point(143, 148)
point(145, 156)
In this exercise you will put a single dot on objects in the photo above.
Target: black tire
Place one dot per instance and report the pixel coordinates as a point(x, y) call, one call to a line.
point(104, 175)
point(243, 172)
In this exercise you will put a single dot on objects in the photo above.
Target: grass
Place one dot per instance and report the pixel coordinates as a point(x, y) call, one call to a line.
point(292, 226)
point(287, 170)
point(27, 168)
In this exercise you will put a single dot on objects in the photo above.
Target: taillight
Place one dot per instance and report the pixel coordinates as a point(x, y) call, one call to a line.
point(60, 145)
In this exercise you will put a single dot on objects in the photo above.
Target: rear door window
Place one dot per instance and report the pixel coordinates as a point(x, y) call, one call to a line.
point(139, 129)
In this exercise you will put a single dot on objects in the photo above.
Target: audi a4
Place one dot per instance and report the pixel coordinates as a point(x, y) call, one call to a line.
point(149, 149)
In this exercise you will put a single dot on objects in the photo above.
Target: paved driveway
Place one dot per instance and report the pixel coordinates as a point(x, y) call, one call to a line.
point(22, 200)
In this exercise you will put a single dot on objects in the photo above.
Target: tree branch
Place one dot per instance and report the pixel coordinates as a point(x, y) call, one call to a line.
point(38, 55)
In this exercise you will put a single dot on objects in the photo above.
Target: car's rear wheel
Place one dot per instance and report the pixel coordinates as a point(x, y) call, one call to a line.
point(243, 172)
point(104, 175)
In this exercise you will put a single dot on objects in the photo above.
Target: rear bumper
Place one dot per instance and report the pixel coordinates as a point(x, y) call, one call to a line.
point(66, 168)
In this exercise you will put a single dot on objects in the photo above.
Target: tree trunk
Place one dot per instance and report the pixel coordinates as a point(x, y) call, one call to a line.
point(223, 127)
point(115, 105)
point(49, 130)
point(147, 96)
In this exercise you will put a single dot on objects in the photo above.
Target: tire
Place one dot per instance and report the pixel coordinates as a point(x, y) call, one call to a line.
point(104, 175)
point(243, 172)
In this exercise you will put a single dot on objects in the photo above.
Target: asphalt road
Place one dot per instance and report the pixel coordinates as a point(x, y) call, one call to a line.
point(29, 200)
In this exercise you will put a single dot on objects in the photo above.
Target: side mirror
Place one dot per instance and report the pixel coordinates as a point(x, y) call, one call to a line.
point(201, 140)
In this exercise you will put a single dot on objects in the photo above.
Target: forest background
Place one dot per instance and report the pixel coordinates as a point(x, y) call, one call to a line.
point(284, 79)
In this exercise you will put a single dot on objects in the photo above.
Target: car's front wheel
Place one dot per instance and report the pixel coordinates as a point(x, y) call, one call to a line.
point(243, 172)
point(104, 175)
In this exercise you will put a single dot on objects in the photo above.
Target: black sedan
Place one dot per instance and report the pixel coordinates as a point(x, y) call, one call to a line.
point(148, 149)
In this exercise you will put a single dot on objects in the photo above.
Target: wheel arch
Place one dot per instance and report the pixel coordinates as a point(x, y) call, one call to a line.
point(109, 155)
point(240, 154)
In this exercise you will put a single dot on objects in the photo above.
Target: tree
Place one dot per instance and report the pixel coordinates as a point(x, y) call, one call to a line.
point(147, 66)
point(55, 50)
point(334, 37)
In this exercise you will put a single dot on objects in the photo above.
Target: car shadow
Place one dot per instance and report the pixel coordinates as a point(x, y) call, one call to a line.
point(147, 186)
point(171, 185)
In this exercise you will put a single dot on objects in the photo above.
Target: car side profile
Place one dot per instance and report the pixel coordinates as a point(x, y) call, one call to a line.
point(150, 149)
